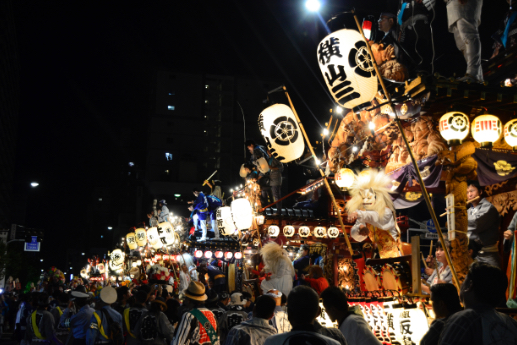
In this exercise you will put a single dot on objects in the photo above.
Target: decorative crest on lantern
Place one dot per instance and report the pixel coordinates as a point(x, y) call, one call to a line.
point(320, 231)
point(333, 232)
point(273, 230)
point(454, 127)
point(288, 231)
point(304, 231)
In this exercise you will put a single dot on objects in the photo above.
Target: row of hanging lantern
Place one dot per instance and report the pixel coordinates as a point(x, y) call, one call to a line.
point(156, 237)
point(304, 231)
point(485, 129)
point(219, 254)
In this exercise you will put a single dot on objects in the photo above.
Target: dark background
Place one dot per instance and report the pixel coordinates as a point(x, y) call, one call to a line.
point(87, 70)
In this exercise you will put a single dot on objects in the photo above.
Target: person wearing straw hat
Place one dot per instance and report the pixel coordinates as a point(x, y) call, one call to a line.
point(154, 327)
point(198, 326)
point(40, 324)
point(77, 316)
point(99, 330)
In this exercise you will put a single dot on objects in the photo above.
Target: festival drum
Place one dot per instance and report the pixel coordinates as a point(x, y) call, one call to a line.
point(371, 279)
point(396, 277)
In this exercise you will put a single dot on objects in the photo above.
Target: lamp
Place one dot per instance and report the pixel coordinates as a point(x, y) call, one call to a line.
point(141, 237)
point(238, 256)
point(288, 231)
point(320, 231)
point(198, 253)
point(304, 231)
point(333, 232)
point(510, 133)
point(131, 241)
point(486, 129)
point(228, 255)
point(454, 127)
point(345, 178)
point(347, 68)
point(224, 221)
point(242, 214)
point(273, 230)
point(154, 238)
point(219, 254)
point(280, 130)
point(208, 254)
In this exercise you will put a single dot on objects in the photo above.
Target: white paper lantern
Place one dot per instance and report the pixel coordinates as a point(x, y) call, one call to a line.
point(154, 238)
point(166, 233)
point(486, 129)
point(259, 220)
point(131, 241)
point(242, 172)
point(304, 231)
point(333, 232)
point(141, 237)
point(320, 231)
point(347, 68)
point(510, 133)
point(288, 231)
point(224, 221)
point(454, 127)
point(242, 214)
point(281, 132)
point(345, 178)
point(117, 258)
point(262, 165)
point(273, 230)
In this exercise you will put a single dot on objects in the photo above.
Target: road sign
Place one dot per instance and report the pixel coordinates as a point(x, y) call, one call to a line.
point(32, 246)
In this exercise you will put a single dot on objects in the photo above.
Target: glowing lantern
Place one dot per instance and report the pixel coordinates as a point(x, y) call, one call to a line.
point(208, 254)
point(238, 256)
point(345, 178)
point(288, 231)
point(242, 172)
point(242, 214)
point(486, 129)
point(228, 255)
point(333, 232)
point(273, 231)
point(259, 220)
point(225, 221)
point(166, 233)
point(347, 68)
point(281, 132)
point(198, 253)
point(141, 237)
point(304, 231)
point(510, 133)
point(454, 127)
point(116, 263)
point(320, 231)
point(365, 172)
point(154, 238)
point(131, 241)
point(219, 254)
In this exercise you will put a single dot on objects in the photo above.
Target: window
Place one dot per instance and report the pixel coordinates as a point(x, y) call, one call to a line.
point(168, 156)
point(171, 107)
point(170, 140)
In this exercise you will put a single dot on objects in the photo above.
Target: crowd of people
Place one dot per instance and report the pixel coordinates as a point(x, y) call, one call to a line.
point(149, 314)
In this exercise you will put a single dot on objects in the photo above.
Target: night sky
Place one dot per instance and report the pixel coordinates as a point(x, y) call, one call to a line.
point(87, 71)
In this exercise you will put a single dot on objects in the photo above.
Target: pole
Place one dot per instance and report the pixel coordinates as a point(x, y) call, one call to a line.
point(413, 160)
point(322, 174)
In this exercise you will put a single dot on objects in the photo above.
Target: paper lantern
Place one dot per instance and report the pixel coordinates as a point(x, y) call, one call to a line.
point(510, 133)
point(281, 132)
point(131, 241)
point(219, 254)
point(238, 256)
point(320, 231)
point(365, 172)
point(198, 253)
point(304, 231)
point(225, 221)
point(228, 255)
point(166, 233)
point(454, 127)
point(141, 237)
point(117, 258)
point(259, 220)
point(242, 214)
point(486, 129)
point(154, 238)
point(345, 178)
point(242, 172)
point(288, 231)
point(347, 68)
point(333, 232)
point(273, 230)
point(262, 165)
point(208, 254)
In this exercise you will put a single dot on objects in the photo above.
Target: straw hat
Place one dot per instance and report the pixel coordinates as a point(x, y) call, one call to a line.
point(196, 291)
point(161, 301)
point(108, 295)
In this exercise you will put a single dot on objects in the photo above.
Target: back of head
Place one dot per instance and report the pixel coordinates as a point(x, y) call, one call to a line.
point(249, 142)
point(122, 292)
point(42, 300)
point(145, 288)
point(264, 307)
point(489, 283)
point(335, 297)
point(316, 271)
point(302, 305)
point(63, 298)
point(141, 297)
point(448, 294)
